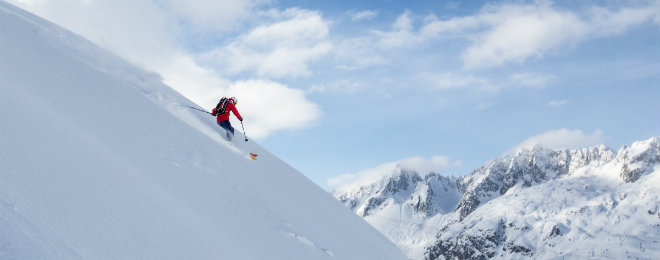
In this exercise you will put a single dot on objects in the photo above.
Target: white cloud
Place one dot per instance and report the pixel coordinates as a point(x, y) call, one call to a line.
point(358, 53)
point(466, 80)
point(606, 22)
point(269, 106)
point(497, 35)
point(517, 33)
point(533, 80)
point(450, 80)
point(558, 103)
point(363, 15)
point(374, 48)
point(401, 35)
point(563, 139)
point(453, 5)
point(340, 86)
point(454, 27)
point(423, 166)
point(502, 34)
point(277, 50)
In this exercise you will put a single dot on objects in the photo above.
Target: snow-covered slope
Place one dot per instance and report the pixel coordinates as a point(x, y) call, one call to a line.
point(100, 160)
point(593, 203)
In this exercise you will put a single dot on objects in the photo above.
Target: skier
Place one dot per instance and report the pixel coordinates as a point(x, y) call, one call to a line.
point(222, 111)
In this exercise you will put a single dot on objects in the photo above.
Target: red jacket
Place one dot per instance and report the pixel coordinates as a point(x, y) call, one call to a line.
point(225, 116)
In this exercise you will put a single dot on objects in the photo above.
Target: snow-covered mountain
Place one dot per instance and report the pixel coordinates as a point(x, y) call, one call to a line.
point(541, 203)
point(100, 160)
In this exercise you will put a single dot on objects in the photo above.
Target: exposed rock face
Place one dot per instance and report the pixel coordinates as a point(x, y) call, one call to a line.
point(525, 168)
point(638, 159)
point(426, 196)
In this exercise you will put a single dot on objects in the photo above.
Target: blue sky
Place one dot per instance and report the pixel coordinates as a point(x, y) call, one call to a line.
point(340, 88)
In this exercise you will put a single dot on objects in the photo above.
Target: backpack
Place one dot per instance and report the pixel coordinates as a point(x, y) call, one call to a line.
point(221, 107)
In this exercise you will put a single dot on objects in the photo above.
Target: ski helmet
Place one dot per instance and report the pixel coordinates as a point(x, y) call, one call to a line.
point(235, 100)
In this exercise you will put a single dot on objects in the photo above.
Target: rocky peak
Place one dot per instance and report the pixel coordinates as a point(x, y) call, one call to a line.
point(526, 167)
point(401, 181)
point(638, 159)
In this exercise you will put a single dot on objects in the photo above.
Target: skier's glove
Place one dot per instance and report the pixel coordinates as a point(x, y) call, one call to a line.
point(240, 119)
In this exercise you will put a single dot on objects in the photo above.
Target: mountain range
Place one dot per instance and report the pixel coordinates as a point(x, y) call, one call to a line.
point(591, 203)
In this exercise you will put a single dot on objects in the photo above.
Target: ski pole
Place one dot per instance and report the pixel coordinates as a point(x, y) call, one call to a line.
point(200, 110)
point(243, 130)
